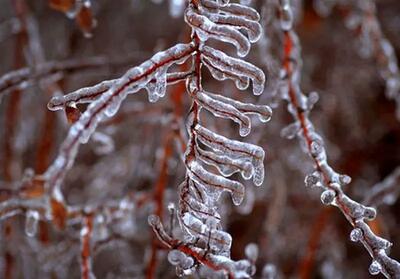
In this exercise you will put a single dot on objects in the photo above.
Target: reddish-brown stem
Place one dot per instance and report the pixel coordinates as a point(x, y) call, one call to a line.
point(159, 202)
point(306, 265)
point(85, 247)
point(203, 260)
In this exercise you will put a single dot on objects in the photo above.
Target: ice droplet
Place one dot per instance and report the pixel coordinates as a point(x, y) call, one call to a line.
point(356, 234)
point(251, 251)
point(316, 148)
point(31, 223)
point(328, 196)
point(269, 272)
point(369, 213)
point(313, 180)
point(375, 268)
point(344, 179)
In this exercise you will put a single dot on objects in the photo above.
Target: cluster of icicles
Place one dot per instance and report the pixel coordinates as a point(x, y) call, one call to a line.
point(201, 190)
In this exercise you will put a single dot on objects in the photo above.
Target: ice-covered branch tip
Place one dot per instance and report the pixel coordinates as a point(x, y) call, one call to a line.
point(92, 93)
point(324, 176)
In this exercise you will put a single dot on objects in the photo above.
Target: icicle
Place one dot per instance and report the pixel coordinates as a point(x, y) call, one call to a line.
point(375, 268)
point(235, 67)
point(226, 165)
point(215, 184)
point(235, 149)
point(286, 17)
point(221, 109)
point(205, 28)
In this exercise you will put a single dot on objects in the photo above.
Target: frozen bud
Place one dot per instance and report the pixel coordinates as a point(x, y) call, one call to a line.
point(312, 180)
point(251, 252)
point(269, 272)
point(356, 235)
point(290, 131)
point(31, 223)
point(286, 17)
point(245, 266)
point(316, 148)
point(177, 258)
point(392, 86)
point(344, 179)
point(375, 268)
point(328, 196)
point(312, 100)
point(369, 213)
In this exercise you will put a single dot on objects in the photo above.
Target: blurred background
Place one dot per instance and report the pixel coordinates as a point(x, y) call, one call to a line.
point(295, 233)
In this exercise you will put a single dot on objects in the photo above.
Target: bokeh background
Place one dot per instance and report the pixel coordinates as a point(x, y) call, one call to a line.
point(294, 231)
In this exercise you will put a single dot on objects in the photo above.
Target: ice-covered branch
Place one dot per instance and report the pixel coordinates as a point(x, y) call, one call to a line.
point(363, 18)
point(50, 70)
point(108, 104)
point(299, 105)
point(386, 191)
point(211, 158)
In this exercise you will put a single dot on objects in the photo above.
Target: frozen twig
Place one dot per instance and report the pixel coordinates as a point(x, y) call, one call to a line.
point(312, 144)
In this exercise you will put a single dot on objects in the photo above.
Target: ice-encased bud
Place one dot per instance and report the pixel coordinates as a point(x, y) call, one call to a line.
point(375, 268)
point(179, 259)
point(328, 196)
point(286, 17)
point(312, 99)
point(356, 235)
point(313, 179)
point(344, 179)
point(369, 213)
point(316, 148)
point(269, 272)
point(251, 252)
